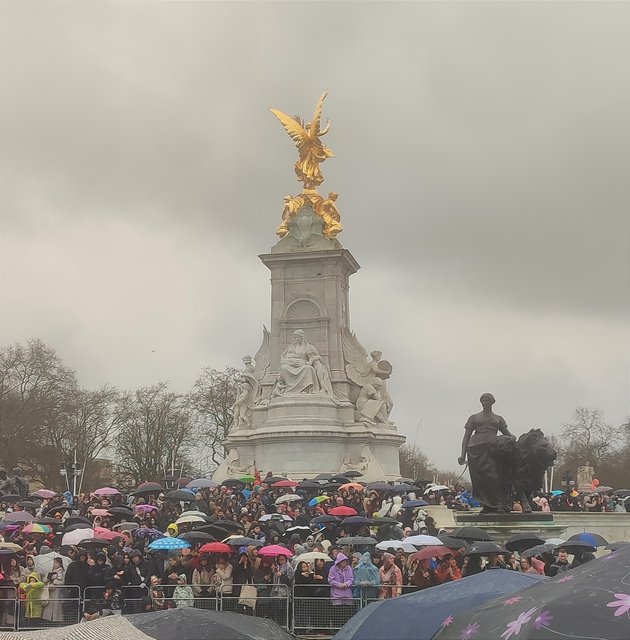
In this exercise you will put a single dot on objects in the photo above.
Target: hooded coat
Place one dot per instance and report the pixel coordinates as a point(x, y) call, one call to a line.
point(33, 589)
point(340, 581)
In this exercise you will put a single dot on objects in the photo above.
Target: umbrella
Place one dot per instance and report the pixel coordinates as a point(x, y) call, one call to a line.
point(380, 521)
point(318, 500)
point(233, 482)
point(145, 508)
point(275, 516)
point(216, 547)
point(26, 504)
point(522, 541)
point(594, 539)
point(180, 495)
point(419, 615)
point(169, 544)
point(311, 556)
point(289, 497)
point(10, 498)
point(324, 519)
point(352, 474)
point(577, 547)
point(309, 484)
point(72, 520)
point(44, 562)
point(243, 541)
point(106, 491)
point(44, 494)
point(147, 532)
point(342, 511)
point(324, 476)
point(100, 512)
point(275, 550)
point(405, 480)
point(285, 483)
point(76, 526)
point(190, 519)
point(196, 536)
point(590, 601)
point(556, 492)
point(50, 521)
point(192, 512)
point(76, 536)
point(356, 541)
point(622, 493)
point(147, 487)
point(436, 487)
point(121, 511)
point(378, 486)
point(230, 525)
point(386, 545)
point(202, 483)
point(126, 526)
point(247, 479)
point(59, 509)
point(423, 541)
point(432, 552)
point(401, 488)
point(352, 485)
point(18, 517)
point(538, 550)
point(299, 528)
point(94, 542)
point(338, 479)
point(357, 521)
point(603, 490)
point(10, 546)
point(107, 534)
point(217, 532)
point(453, 543)
point(413, 504)
point(554, 541)
point(615, 546)
point(484, 548)
point(472, 534)
point(33, 527)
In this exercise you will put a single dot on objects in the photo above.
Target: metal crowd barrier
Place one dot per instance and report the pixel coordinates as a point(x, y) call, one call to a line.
point(61, 608)
point(8, 608)
point(272, 601)
point(203, 597)
point(314, 609)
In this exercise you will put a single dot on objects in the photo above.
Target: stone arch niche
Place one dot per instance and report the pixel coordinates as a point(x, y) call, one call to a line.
point(307, 314)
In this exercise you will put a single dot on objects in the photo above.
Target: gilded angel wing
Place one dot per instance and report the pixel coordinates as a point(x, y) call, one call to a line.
point(314, 129)
point(357, 369)
point(293, 127)
point(262, 360)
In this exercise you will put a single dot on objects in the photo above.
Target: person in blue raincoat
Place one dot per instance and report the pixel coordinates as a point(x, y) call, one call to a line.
point(366, 579)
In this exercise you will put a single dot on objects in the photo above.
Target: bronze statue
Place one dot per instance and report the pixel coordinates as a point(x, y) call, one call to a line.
point(489, 457)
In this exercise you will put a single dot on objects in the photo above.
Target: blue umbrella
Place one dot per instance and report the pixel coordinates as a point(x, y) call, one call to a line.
point(557, 492)
point(412, 504)
point(594, 539)
point(419, 615)
point(169, 544)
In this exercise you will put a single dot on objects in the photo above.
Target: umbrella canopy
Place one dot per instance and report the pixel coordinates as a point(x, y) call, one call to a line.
point(436, 487)
point(44, 494)
point(309, 484)
point(233, 482)
point(243, 541)
point(590, 601)
point(196, 536)
point(106, 534)
point(379, 486)
point(180, 495)
point(46, 520)
point(10, 546)
point(145, 508)
point(169, 544)
point(339, 479)
point(247, 479)
point(217, 532)
point(380, 521)
point(342, 511)
point(230, 525)
point(299, 528)
point(275, 516)
point(386, 545)
point(454, 543)
point(622, 493)
point(72, 520)
point(148, 487)
point(353, 474)
point(285, 483)
point(484, 548)
point(94, 542)
point(275, 550)
point(190, 519)
point(106, 491)
point(289, 497)
point(202, 483)
point(324, 519)
point(358, 521)
point(523, 541)
point(432, 552)
point(352, 485)
point(419, 615)
point(594, 539)
point(147, 532)
point(318, 500)
point(538, 550)
point(614, 546)
point(424, 541)
point(121, 511)
point(356, 541)
point(44, 562)
point(76, 526)
point(324, 476)
point(401, 488)
point(472, 534)
point(604, 490)
point(33, 527)
point(17, 517)
point(216, 547)
point(10, 498)
point(199, 514)
point(311, 556)
point(27, 504)
point(76, 536)
point(413, 504)
point(577, 547)
point(126, 526)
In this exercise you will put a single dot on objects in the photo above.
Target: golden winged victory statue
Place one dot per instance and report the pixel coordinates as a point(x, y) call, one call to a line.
point(312, 152)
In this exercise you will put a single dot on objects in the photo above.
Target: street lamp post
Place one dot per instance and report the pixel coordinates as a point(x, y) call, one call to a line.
point(71, 471)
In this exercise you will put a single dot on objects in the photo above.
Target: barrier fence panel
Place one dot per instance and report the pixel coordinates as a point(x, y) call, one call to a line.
point(313, 608)
point(51, 606)
point(373, 594)
point(271, 602)
point(135, 598)
point(200, 596)
point(8, 608)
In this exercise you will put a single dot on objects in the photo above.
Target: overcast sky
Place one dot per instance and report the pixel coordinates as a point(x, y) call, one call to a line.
point(482, 161)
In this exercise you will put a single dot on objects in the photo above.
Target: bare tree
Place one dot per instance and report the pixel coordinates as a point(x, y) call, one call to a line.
point(415, 464)
point(211, 399)
point(154, 431)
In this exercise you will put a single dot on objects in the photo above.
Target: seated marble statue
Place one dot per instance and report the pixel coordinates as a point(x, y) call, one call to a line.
point(371, 404)
point(302, 370)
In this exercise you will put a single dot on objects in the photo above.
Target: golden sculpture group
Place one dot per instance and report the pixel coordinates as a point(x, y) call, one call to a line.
point(312, 152)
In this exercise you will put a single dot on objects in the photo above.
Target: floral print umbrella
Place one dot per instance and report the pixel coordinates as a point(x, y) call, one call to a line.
point(591, 602)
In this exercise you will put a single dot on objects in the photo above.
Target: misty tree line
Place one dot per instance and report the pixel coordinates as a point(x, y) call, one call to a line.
point(45, 415)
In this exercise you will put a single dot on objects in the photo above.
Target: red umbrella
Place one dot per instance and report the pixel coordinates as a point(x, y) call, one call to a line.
point(342, 511)
point(216, 547)
point(285, 483)
point(275, 550)
point(432, 552)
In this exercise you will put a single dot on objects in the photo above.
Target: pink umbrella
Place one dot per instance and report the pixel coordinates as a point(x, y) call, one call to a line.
point(44, 493)
point(145, 508)
point(106, 491)
point(106, 534)
point(101, 512)
point(18, 516)
point(275, 550)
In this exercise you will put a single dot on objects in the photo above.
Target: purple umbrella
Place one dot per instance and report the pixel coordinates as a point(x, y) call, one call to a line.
point(145, 532)
point(18, 516)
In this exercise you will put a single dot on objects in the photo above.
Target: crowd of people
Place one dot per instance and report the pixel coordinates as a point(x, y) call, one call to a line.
point(332, 538)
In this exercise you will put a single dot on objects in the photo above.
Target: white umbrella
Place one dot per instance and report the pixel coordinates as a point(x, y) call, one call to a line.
point(396, 544)
point(436, 487)
point(74, 537)
point(289, 497)
point(555, 541)
point(311, 556)
point(44, 562)
point(424, 541)
point(189, 519)
point(275, 516)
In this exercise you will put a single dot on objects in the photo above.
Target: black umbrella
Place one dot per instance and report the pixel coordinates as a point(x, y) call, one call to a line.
point(382, 521)
point(75, 526)
point(189, 623)
point(218, 532)
point(401, 488)
point(301, 530)
point(472, 534)
point(10, 498)
point(339, 479)
point(379, 486)
point(484, 548)
point(234, 482)
point(538, 550)
point(309, 484)
point(147, 487)
point(179, 495)
point(94, 542)
point(325, 519)
point(352, 474)
point(323, 476)
point(72, 520)
point(272, 479)
point(615, 546)
point(60, 509)
point(522, 541)
point(357, 521)
point(197, 536)
point(26, 504)
point(622, 493)
point(590, 601)
point(243, 541)
point(356, 541)
point(454, 543)
point(230, 525)
point(47, 520)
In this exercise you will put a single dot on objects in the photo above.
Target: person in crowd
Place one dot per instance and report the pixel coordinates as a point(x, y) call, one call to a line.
point(32, 591)
point(561, 564)
point(366, 579)
point(183, 595)
point(157, 594)
point(391, 578)
point(53, 612)
point(77, 573)
point(448, 571)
